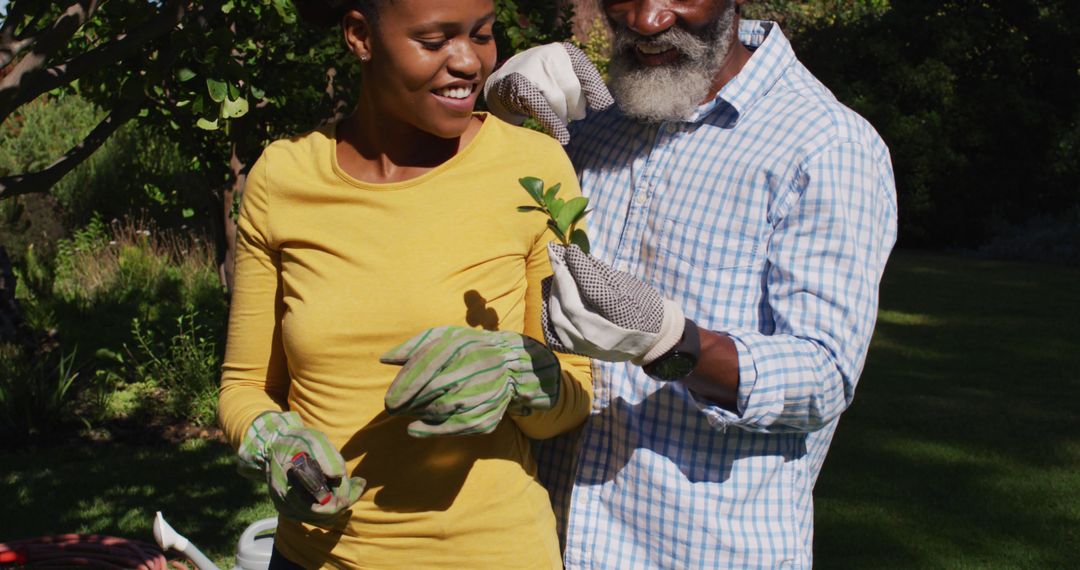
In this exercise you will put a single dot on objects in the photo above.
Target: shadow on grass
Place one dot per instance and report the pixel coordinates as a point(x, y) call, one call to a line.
point(115, 490)
point(962, 447)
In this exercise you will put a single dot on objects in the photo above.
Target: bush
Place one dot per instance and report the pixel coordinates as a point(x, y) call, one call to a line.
point(187, 366)
point(147, 309)
point(35, 392)
point(1054, 239)
point(134, 170)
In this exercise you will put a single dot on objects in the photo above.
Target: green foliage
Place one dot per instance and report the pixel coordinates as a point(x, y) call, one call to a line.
point(597, 46)
point(978, 102)
point(144, 305)
point(187, 366)
point(563, 216)
point(798, 16)
point(522, 24)
point(44, 129)
point(135, 170)
point(35, 392)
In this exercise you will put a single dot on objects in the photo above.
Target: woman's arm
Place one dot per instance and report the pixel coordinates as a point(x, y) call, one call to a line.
point(255, 376)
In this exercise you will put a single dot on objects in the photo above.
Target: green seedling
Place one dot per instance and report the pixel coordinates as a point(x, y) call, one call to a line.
point(563, 216)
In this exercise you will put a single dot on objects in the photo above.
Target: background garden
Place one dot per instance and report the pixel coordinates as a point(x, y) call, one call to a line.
point(126, 128)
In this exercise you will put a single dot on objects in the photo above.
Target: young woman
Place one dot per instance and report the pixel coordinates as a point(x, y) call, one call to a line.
point(354, 242)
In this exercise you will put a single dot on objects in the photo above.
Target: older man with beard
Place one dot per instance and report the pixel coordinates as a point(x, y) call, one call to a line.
point(742, 220)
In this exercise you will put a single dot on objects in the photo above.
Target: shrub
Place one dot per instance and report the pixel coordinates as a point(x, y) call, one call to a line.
point(1049, 238)
point(146, 307)
point(187, 365)
point(134, 170)
point(35, 392)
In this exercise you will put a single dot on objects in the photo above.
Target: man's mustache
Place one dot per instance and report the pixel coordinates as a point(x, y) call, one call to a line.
point(688, 44)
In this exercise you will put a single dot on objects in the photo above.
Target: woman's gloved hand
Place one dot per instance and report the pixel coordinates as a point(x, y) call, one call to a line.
point(459, 380)
point(554, 84)
point(267, 451)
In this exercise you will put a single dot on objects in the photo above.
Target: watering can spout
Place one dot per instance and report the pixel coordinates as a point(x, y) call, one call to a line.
point(168, 539)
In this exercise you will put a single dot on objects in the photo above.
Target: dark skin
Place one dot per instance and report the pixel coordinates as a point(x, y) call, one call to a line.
point(423, 63)
point(716, 376)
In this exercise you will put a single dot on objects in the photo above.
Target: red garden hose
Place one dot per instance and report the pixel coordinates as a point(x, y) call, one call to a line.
point(85, 550)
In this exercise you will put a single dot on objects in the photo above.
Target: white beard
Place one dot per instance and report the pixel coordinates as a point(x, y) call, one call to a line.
point(674, 91)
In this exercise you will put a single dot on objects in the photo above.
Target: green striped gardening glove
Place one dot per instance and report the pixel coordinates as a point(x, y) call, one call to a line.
point(459, 380)
point(267, 452)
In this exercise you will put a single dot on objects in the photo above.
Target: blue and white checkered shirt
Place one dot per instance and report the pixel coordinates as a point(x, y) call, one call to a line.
point(768, 216)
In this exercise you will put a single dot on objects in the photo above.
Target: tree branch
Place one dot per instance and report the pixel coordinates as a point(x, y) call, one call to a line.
point(47, 42)
point(26, 84)
point(42, 180)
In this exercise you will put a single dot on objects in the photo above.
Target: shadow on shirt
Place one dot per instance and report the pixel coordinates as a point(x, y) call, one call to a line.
point(421, 474)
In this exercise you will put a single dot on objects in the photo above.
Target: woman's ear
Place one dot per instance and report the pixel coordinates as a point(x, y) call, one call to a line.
point(357, 31)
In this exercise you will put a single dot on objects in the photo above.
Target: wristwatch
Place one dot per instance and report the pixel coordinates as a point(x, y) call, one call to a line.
point(680, 361)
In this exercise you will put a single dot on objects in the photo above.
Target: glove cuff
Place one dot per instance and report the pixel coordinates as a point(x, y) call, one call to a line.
point(257, 440)
point(671, 330)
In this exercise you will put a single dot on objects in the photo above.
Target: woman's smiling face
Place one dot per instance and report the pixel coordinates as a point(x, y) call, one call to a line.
point(428, 61)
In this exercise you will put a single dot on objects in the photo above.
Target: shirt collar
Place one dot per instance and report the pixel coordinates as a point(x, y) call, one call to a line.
point(772, 54)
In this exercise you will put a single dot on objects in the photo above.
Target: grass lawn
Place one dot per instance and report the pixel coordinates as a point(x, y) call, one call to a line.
point(962, 449)
point(116, 489)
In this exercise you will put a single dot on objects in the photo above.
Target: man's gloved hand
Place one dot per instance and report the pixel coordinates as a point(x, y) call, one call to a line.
point(594, 310)
point(553, 83)
point(460, 380)
point(266, 453)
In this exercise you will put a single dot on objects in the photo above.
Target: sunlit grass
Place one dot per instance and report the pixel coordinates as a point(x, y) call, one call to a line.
point(962, 447)
point(115, 490)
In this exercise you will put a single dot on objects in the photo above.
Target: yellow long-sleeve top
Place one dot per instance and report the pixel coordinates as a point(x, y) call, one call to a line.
point(331, 273)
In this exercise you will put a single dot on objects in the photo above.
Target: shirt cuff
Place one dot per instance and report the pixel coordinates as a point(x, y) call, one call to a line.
point(719, 417)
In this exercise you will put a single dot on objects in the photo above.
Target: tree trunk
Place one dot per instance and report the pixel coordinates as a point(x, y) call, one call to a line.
point(586, 15)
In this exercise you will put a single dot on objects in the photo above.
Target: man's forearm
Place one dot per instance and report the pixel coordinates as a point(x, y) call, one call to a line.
point(716, 376)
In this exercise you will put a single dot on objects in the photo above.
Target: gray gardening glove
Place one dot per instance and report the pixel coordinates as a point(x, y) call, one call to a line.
point(592, 309)
point(267, 453)
point(459, 380)
point(553, 83)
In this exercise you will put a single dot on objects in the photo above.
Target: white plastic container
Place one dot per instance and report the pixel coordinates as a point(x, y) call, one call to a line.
point(255, 545)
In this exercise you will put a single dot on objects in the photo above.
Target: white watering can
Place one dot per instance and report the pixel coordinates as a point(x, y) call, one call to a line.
point(252, 552)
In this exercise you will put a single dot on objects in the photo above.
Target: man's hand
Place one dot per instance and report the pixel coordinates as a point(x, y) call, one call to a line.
point(553, 83)
point(267, 451)
point(459, 380)
point(592, 309)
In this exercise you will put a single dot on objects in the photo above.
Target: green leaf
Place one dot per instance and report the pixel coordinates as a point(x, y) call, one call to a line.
point(555, 229)
point(187, 213)
point(551, 192)
point(580, 239)
point(571, 212)
point(218, 90)
point(185, 74)
point(554, 207)
point(257, 93)
point(284, 9)
point(535, 187)
point(206, 124)
point(234, 108)
point(529, 209)
point(234, 91)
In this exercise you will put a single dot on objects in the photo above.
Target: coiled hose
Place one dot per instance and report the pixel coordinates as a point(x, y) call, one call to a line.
point(85, 550)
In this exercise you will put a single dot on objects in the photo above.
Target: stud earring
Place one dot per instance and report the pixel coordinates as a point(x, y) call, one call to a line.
point(364, 58)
